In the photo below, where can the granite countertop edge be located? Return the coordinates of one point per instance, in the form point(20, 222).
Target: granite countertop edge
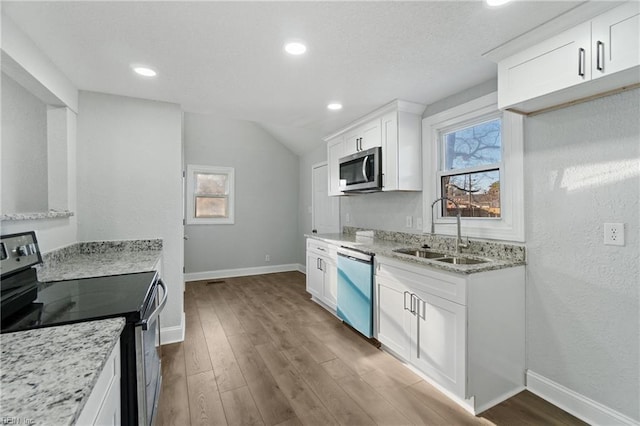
point(384, 248)
point(33, 361)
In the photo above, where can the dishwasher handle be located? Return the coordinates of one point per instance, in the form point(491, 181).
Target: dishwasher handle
point(356, 256)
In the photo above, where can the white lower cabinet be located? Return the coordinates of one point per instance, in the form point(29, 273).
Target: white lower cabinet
point(322, 272)
point(464, 332)
point(438, 344)
point(393, 317)
point(103, 405)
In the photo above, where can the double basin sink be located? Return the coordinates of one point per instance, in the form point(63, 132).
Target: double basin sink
point(439, 257)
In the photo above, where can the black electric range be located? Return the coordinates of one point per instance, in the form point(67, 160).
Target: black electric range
point(28, 304)
point(86, 299)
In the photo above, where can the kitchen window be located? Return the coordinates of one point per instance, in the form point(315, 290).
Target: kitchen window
point(473, 155)
point(210, 195)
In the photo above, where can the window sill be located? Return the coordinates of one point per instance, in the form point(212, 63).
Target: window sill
point(52, 214)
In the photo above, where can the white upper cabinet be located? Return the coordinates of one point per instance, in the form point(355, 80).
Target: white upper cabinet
point(572, 65)
point(396, 127)
point(363, 137)
point(616, 40)
point(555, 64)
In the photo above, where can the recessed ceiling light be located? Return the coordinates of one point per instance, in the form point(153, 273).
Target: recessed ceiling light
point(295, 48)
point(334, 106)
point(145, 71)
point(494, 3)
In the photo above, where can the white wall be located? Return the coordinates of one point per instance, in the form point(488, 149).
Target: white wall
point(582, 169)
point(266, 197)
point(24, 150)
point(129, 180)
point(27, 64)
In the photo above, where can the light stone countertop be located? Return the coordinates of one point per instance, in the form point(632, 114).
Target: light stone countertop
point(498, 255)
point(49, 373)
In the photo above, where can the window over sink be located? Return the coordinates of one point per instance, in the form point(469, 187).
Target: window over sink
point(210, 195)
point(473, 155)
point(470, 166)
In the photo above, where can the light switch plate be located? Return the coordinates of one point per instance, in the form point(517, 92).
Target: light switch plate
point(614, 234)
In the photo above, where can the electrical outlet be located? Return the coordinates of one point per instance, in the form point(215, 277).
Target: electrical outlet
point(409, 222)
point(267, 258)
point(419, 223)
point(614, 234)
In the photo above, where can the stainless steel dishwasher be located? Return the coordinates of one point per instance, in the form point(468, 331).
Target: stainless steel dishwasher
point(355, 290)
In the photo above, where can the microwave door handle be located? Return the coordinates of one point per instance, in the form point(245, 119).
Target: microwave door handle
point(145, 322)
point(364, 168)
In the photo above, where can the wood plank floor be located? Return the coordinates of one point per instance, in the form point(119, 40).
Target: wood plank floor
point(258, 351)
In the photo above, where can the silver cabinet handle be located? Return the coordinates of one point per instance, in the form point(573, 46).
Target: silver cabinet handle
point(413, 299)
point(600, 56)
point(405, 300)
point(145, 322)
point(581, 62)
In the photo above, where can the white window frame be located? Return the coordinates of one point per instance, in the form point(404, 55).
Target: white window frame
point(192, 170)
point(510, 226)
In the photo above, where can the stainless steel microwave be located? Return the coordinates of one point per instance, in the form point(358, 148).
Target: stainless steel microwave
point(362, 171)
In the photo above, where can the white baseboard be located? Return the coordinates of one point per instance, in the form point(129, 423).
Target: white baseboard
point(173, 334)
point(241, 272)
point(572, 402)
point(302, 268)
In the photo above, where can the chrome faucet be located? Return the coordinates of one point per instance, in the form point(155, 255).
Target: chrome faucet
point(459, 243)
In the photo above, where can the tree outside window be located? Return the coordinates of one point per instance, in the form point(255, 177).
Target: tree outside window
point(470, 172)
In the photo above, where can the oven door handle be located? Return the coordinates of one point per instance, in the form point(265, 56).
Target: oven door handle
point(145, 322)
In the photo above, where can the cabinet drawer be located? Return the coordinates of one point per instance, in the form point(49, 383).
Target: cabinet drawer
point(421, 278)
point(317, 245)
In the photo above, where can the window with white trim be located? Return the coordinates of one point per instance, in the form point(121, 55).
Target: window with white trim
point(210, 195)
point(473, 155)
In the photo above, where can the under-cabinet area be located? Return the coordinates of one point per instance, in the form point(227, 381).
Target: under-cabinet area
point(461, 325)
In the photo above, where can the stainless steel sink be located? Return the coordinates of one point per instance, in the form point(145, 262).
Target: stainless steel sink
point(418, 252)
point(461, 260)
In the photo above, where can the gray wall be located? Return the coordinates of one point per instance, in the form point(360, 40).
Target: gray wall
point(581, 170)
point(266, 191)
point(315, 156)
point(24, 150)
point(129, 181)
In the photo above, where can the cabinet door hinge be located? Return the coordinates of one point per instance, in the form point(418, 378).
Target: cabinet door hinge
point(184, 174)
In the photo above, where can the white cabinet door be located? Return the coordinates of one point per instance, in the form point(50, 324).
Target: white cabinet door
point(315, 275)
point(438, 347)
point(616, 40)
point(352, 142)
point(330, 282)
point(363, 137)
point(560, 62)
point(370, 134)
point(335, 151)
point(393, 316)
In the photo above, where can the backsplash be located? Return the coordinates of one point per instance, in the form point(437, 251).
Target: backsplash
point(93, 247)
point(496, 250)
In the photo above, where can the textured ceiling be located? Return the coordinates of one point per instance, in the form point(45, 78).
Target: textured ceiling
point(226, 58)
